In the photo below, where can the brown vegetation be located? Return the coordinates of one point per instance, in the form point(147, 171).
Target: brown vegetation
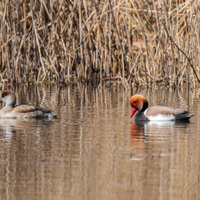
point(137, 42)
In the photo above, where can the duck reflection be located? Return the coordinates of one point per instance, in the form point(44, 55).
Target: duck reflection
point(141, 131)
point(10, 126)
point(137, 137)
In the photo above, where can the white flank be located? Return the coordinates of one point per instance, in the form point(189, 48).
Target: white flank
point(160, 117)
point(161, 123)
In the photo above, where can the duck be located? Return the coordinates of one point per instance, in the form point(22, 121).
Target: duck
point(155, 113)
point(11, 110)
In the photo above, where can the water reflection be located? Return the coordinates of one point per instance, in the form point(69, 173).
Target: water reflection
point(94, 151)
point(153, 131)
point(11, 126)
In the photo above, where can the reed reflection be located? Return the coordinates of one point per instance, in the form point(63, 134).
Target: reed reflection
point(93, 152)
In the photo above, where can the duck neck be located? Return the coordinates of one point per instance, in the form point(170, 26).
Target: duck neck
point(145, 106)
point(11, 102)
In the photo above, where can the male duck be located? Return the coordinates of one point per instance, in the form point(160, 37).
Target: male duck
point(155, 113)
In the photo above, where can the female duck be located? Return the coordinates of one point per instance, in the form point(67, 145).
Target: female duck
point(10, 110)
point(155, 113)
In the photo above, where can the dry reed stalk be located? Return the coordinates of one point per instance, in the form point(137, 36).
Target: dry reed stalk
point(39, 50)
point(81, 69)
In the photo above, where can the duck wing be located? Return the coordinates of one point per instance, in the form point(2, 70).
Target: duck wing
point(178, 113)
point(25, 108)
point(181, 114)
point(155, 110)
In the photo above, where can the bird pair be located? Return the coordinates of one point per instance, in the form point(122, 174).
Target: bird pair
point(138, 102)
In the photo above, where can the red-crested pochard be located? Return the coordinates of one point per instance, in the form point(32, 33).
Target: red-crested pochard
point(10, 110)
point(155, 113)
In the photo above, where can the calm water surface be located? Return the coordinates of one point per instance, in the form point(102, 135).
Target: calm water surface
point(95, 151)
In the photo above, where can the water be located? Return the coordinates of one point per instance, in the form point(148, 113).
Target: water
point(95, 151)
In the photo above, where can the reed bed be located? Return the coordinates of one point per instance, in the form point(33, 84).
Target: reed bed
point(135, 42)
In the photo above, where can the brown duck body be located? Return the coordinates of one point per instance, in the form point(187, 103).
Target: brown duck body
point(10, 110)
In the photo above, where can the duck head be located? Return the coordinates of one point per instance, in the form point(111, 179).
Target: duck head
point(138, 102)
point(8, 97)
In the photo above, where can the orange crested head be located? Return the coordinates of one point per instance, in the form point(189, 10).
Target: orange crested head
point(137, 102)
